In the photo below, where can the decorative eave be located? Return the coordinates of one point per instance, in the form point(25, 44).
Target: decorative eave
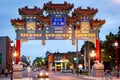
point(30, 11)
point(43, 19)
point(72, 19)
point(97, 23)
point(19, 22)
point(88, 11)
point(65, 6)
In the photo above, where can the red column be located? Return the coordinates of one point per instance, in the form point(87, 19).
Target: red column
point(97, 50)
point(17, 51)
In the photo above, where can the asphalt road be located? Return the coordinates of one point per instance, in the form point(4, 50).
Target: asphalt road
point(56, 76)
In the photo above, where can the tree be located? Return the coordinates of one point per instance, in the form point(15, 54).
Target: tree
point(24, 60)
point(107, 50)
point(88, 46)
point(118, 39)
point(38, 62)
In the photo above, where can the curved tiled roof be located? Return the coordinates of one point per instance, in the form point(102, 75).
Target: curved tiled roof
point(30, 11)
point(88, 11)
point(17, 22)
point(65, 6)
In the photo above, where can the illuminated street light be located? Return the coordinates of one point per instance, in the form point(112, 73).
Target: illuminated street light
point(12, 50)
point(12, 45)
point(14, 57)
point(80, 66)
point(75, 59)
point(15, 54)
point(92, 54)
point(116, 50)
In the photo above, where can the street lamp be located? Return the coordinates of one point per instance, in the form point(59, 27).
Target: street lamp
point(12, 45)
point(116, 51)
point(14, 57)
point(92, 54)
point(75, 62)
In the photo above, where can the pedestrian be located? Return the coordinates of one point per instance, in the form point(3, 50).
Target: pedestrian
point(80, 72)
point(2, 71)
point(6, 72)
point(108, 74)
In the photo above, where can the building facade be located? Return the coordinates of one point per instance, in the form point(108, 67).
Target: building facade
point(59, 61)
point(5, 54)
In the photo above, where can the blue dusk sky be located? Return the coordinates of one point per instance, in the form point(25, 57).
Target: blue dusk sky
point(108, 10)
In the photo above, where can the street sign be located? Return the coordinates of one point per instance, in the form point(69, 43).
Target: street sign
point(58, 22)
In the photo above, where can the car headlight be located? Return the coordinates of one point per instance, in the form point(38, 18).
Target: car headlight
point(41, 73)
point(46, 73)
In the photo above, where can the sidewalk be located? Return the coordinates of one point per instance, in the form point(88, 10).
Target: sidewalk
point(9, 78)
point(16, 79)
point(85, 77)
point(97, 78)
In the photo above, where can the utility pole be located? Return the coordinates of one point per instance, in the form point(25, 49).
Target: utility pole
point(85, 56)
point(88, 48)
point(77, 60)
point(77, 52)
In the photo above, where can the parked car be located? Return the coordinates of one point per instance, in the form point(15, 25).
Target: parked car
point(43, 74)
point(66, 70)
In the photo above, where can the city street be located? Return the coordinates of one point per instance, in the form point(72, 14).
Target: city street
point(52, 76)
point(56, 76)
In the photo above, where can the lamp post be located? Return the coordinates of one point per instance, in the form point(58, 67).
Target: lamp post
point(74, 64)
point(12, 45)
point(14, 57)
point(116, 51)
point(77, 53)
point(77, 60)
point(92, 54)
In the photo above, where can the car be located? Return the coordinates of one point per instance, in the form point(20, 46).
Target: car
point(34, 70)
point(43, 74)
point(66, 70)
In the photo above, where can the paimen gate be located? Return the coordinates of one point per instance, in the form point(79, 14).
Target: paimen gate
point(57, 24)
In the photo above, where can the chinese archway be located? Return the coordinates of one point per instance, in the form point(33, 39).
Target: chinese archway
point(57, 24)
